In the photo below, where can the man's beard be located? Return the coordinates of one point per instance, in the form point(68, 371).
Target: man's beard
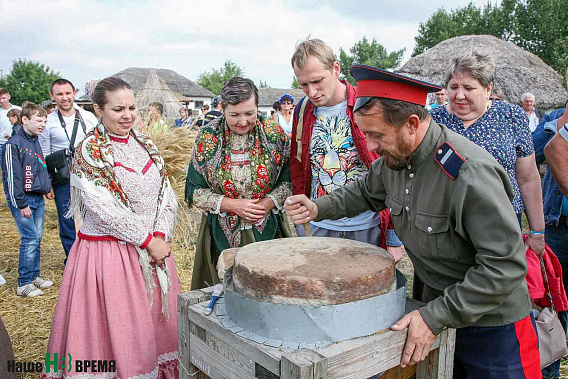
point(400, 160)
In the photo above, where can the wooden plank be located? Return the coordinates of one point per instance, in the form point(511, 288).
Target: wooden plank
point(428, 368)
point(367, 356)
point(398, 372)
point(232, 355)
point(303, 364)
point(267, 357)
point(446, 356)
point(215, 365)
point(183, 335)
point(440, 362)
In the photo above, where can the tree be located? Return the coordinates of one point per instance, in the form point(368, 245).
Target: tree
point(372, 54)
point(540, 27)
point(215, 79)
point(28, 81)
point(295, 84)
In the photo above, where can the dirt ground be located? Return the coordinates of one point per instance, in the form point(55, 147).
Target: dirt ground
point(29, 320)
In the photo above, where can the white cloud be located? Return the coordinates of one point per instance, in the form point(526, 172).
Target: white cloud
point(87, 39)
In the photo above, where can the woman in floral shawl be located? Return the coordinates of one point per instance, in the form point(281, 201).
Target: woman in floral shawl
point(118, 297)
point(240, 177)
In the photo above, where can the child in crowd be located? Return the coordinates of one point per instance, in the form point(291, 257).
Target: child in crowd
point(14, 117)
point(26, 180)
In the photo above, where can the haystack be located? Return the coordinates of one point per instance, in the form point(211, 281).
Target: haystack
point(518, 71)
point(156, 90)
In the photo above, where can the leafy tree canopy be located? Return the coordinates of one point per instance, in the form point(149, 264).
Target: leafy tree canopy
point(538, 26)
point(372, 54)
point(215, 79)
point(28, 81)
point(295, 84)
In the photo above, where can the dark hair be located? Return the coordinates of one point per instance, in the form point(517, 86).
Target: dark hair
point(15, 113)
point(158, 106)
point(60, 82)
point(236, 90)
point(30, 109)
point(105, 86)
point(395, 112)
point(4, 91)
point(276, 106)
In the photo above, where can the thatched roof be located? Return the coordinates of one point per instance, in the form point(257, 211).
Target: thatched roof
point(137, 77)
point(518, 71)
point(268, 96)
point(156, 90)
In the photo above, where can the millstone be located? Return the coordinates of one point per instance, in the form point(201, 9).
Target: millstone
point(313, 271)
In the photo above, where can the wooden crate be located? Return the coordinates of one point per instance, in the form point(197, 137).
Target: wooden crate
point(207, 350)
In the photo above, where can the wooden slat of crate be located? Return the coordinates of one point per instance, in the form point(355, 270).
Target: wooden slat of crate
point(244, 355)
point(356, 358)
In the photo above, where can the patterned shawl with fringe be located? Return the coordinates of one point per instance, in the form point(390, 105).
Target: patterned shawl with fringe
point(93, 173)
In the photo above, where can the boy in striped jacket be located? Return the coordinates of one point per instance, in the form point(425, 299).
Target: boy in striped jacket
point(26, 181)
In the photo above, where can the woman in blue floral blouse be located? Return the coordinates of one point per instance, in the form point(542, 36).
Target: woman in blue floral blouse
point(500, 128)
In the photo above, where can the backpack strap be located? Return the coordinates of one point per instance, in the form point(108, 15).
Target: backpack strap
point(300, 112)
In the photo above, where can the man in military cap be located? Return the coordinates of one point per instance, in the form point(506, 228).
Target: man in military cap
point(450, 202)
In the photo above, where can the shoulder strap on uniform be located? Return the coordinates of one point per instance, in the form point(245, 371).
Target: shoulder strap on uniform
point(300, 112)
point(449, 160)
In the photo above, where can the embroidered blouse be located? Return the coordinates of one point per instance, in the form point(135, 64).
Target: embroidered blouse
point(503, 131)
point(140, 179)
point(209, 201)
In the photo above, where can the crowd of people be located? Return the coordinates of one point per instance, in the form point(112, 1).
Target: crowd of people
point(448, 183)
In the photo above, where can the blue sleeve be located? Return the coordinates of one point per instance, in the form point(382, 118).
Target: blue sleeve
point(520, 126)
point(544, 132)
point(14, 180)
point(392, 238)
point(564, 132)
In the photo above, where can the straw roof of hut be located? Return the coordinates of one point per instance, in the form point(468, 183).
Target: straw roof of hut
point(268, 96)
point(518, 71)
point(155, 90)
point(137, 77)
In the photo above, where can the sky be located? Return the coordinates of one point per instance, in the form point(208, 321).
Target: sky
point(94, 39)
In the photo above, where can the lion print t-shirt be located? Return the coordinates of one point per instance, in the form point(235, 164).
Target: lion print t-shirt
point(336, 162)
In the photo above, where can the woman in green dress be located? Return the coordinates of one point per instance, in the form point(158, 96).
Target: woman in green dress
point(239, 176)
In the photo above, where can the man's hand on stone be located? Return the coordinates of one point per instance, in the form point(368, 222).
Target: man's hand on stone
point(418, 340)
point(301, 209)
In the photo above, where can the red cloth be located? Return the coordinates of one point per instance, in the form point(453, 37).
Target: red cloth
point(535, 281)
point(301, 172)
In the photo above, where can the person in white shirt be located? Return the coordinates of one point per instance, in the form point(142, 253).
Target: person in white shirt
point(57, 136)
point(5, 106)
point(534, 114)
point(5, 125)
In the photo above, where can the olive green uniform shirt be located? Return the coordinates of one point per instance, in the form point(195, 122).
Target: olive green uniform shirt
point(462, 234)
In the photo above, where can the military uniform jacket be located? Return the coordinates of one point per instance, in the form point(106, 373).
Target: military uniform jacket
point(451, 207)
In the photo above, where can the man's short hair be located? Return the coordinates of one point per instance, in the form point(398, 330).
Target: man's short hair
point(205, 106)
point(525, 95)
point(4, 91)
point(216, 101)
point(313, 48)
point(30, 109)
point(60, 82)
point(158, 106)
point(395, 112)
